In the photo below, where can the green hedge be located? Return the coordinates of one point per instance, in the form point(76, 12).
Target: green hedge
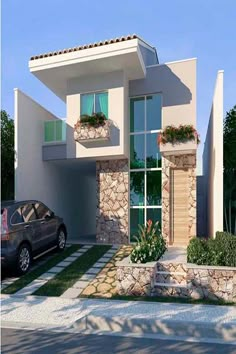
point(220, 251)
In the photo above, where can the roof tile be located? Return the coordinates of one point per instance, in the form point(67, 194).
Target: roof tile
point(86, 46)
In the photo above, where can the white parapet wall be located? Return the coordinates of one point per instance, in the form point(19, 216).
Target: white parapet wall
point(33, 177)
point(213, 162)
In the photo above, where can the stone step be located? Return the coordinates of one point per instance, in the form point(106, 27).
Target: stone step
point(171, 267)
point(170, 285)
point(166, 277)
point(171, 273)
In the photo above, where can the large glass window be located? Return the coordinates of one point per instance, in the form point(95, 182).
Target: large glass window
point(137, 113)
point(153, 155)
point(145, 161)
point(137, 155)
point(137, 188)
point(153, 112)
point(94, 103)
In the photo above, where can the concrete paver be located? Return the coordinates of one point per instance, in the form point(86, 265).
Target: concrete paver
point(46, 276)
point(55, 269)
point(81, 284)
point(99, 265)
point(87, 276)
point(32, 287)
point(93, 271)
point(71, 293)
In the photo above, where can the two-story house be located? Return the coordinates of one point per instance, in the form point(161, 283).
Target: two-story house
point(107, 180)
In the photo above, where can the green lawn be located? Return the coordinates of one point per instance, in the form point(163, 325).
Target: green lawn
point(34, 274)
point(171, 300)
point(65, 279)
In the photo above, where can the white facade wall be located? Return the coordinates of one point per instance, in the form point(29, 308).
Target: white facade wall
point(62, 189)
point(116, 85)
point(213, 162)
point(176, 82)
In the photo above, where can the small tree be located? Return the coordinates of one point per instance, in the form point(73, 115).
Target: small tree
point(230, 171)
point(7, 156)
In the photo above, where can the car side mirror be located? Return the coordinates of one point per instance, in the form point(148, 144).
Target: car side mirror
point(50, 216)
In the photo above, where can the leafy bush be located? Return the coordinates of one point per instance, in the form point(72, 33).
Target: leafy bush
point(226, 244)
point(197, 251)
point(95, 120)
point(220, 251)
point(150, 244)
point(179, 134)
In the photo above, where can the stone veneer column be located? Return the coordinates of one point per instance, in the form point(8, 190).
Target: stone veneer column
point(178, 161)
point(112, 179)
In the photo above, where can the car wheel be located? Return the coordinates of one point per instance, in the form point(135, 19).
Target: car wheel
point(61, 239)
point(23, 259)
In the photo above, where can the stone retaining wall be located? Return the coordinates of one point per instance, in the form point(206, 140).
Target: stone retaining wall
point(135, 279)
point(212, 282)
point(176, 280)
point(112, 179)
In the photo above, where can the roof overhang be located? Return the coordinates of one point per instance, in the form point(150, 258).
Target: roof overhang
point(55, 71)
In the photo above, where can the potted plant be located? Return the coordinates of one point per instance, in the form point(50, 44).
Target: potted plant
point(182, 139)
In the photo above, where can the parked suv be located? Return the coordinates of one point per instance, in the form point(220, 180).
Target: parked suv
point(28, 228)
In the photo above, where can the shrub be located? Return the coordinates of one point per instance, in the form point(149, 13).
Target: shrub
point(150, 244)
point(95, 120)
point(220, 251)
point(197, 251)
point(226, 244)
point(179, 134)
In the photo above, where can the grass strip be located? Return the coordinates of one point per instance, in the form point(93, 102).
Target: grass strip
point(66, 279)
point(171, 300)
point(34, 274)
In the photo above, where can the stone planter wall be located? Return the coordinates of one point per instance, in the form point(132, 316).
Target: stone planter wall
point(86, 133)
point(135, 279)
point(189, 147)
point(176, 280)
point(212, 282)
point(175, 161)
point(112, 179)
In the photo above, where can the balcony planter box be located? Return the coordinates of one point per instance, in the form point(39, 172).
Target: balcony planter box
point(84, 133)
point(181, 148)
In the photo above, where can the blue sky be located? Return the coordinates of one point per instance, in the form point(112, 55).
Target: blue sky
point(179, 29)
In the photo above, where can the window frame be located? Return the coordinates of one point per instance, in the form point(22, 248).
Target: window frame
point(145, 132)
point(94, 93)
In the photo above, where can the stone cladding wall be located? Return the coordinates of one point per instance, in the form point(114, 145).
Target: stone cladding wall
point(112, 179)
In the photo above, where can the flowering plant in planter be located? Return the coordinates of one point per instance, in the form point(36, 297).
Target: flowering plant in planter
point(181, 134)
point(150, 244)
point(95, 120)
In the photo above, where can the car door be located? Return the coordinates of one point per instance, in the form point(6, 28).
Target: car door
point(48, 224)
point(31, 222)
point(19, 229)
